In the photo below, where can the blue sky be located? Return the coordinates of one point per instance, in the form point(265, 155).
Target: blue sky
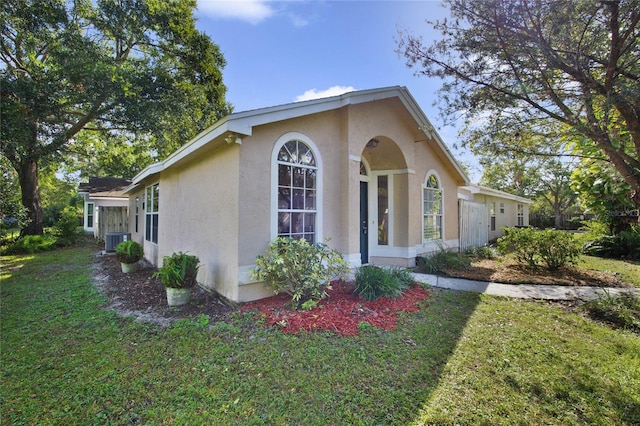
point(284, 51)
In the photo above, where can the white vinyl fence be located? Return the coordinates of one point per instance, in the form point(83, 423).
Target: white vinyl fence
point(473, 224)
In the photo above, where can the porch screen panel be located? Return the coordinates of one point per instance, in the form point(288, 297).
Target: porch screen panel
point(297, 186)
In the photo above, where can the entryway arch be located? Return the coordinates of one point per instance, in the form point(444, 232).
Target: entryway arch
point(383, 198)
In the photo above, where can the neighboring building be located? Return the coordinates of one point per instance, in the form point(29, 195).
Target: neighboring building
point(365, 170)
point(105, 205)
point(502, 209)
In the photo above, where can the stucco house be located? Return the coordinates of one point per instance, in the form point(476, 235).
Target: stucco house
point(105, 205)
point(502, 209)
point(365, 170)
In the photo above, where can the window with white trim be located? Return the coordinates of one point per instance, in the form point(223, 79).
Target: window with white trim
point(432, 209)
point(152, 194)
point(90, 213)
point(297, 191)
point(492, 211)
point(520, 215)
point(137, 208)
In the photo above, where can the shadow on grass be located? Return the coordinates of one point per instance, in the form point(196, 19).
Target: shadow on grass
point(67, 360)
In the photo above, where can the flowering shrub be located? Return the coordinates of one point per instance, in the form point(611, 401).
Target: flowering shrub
point(299, 268)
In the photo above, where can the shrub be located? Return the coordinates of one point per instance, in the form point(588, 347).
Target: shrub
point(374, 282)
point(129, 251)
point(484, 252)
point(625, 244)
point(521, 243)
point(622, 311)
point(32, 244)
point(66, 228)
point(178, 270)
point(550, 248)
point(442, 260)
point(299, 268)
point(557, 248)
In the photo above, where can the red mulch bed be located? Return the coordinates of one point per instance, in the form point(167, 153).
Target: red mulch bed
point(341, 312)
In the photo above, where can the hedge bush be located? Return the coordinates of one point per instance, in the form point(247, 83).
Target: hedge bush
point(531, 247)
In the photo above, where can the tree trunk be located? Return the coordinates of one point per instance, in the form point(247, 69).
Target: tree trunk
point(28, 174)
point(558, 218)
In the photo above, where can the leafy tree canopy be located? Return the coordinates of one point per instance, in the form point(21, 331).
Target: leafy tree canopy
point(138, 68)
point(542, 66)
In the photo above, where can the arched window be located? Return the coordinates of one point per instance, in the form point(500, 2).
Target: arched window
point(297, 191)
point(432, 209)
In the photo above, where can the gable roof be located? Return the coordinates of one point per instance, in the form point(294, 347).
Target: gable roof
point(104, 186)
point(474, 188)
point(234, 126)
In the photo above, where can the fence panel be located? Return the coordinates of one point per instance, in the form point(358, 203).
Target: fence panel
point(473, 224)
point(111, 219)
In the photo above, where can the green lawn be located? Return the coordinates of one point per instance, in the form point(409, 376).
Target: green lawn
point(628, 270)
point(463, 359)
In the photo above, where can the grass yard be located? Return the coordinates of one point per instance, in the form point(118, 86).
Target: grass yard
point(627, 270)
point(462, 359)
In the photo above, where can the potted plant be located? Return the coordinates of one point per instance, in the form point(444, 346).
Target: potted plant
point(129, 253)
point(178, 275)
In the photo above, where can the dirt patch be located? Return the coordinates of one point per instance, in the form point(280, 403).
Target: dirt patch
point(143, 297)
point(508, 272)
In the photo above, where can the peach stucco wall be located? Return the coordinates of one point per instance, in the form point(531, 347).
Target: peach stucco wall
point(218, 206)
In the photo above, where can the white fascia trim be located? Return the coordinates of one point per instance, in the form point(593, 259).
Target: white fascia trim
point(429, 130)
point(485, 190)
point(356, 158)
point(109, 198)
point(151, 170)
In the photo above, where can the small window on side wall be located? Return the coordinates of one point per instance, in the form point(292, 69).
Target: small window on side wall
point(432, 209)
point(152, 198)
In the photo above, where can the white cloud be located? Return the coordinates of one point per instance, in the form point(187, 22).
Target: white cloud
point(317, 94)
point(252, 11)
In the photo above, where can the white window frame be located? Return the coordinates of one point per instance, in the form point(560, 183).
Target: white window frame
point(442, 212)
point(373, 208)
point(492, 216)
point(282, 140)
point(520, 214)
point(149, 214)
point(86, 215)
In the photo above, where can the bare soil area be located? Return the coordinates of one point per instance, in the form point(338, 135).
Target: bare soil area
point(140, 295)
point(509, 272)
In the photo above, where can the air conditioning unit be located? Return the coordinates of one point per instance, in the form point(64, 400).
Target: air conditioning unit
point(112, 239)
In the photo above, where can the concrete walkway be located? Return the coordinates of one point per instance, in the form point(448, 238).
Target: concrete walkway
point(521, 291)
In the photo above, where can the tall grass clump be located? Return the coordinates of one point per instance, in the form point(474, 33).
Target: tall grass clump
point(442, 260)
point(374, 282)
point(622, 311)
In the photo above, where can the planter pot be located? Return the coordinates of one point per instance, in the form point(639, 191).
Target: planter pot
point(178, 296)
point(129, 267)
